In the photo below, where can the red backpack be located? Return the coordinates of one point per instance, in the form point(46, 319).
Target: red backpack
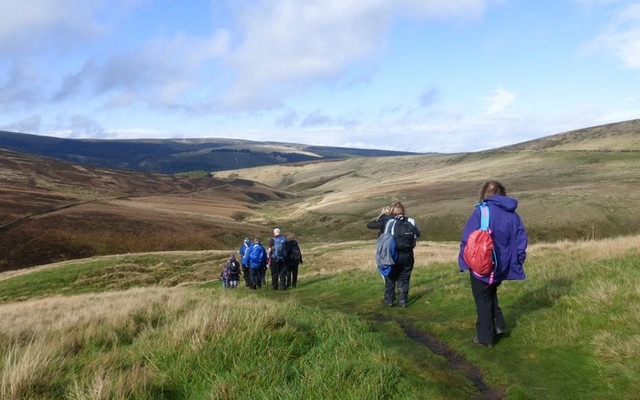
point(478, 253)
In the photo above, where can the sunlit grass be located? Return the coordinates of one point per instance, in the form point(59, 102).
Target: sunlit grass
point(82, 330)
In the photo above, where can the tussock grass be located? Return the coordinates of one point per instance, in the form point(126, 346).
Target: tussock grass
point(188, 343)
point(571, 328)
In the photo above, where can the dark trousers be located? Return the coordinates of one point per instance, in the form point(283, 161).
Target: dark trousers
point(400, 277)
point(278, 274)
point(247, 275)
point(292, 274)
point(256, 277)
point(488, 311)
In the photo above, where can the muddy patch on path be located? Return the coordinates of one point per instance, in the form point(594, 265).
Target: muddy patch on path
point(455, 360)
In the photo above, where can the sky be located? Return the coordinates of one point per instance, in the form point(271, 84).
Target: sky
point(410, 75)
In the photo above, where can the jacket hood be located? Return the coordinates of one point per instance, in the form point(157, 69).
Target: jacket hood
point(505, 202)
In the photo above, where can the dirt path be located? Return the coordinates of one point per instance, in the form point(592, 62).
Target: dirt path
point(455, 360)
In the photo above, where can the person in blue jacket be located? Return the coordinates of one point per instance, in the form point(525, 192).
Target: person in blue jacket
point(246, 244)
point(510, 246)
point(256, 258)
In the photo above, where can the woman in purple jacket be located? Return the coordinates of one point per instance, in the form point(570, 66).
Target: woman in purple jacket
point(510, 245)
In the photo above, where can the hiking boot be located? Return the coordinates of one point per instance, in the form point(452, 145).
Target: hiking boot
point(477, 341)
point(499, 332)
point(403, 303)
point(387, 303)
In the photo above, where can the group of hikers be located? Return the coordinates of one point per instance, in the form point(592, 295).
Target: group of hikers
point(282, 257)
point(505, 248)
point(495, 214)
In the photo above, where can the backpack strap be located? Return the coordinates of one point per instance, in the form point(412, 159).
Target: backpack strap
point(389, 226)
point(484, 226)
point(484, 216)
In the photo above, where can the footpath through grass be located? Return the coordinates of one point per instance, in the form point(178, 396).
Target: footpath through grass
point(77, 332)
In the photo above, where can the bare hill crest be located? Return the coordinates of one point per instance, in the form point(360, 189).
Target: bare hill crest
point(621, 136)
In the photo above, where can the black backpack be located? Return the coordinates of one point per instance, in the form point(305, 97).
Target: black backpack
point(404, 233)
point(294, 253)
point(234, 267)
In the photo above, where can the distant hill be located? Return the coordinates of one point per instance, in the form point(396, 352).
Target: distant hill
point(621, 136)
point(51, 210)
point(582, 184)
point(177, 155)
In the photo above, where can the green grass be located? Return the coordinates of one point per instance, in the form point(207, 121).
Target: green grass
point(571, 331)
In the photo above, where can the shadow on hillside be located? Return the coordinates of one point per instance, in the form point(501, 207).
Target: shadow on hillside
point(312, 280)
point(537, 299)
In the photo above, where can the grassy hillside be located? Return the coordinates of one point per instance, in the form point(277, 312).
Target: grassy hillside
point(143, 323)
point(570, 194)
point(160, 326)
point(53, 211)
point(618, 137)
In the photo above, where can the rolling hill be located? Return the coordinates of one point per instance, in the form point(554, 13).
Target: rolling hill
point(577, 185)
point(171, 156)
point(53, 210)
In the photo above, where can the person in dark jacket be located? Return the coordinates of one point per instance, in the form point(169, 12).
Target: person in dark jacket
point(510, 245)
point(400, 274)
point(278, 260)
point(234, 272)
point(380, 222)
point(294, 259)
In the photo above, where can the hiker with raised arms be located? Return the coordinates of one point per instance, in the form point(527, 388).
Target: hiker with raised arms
point(380, 222)
point(405, 233)
point(509, 241)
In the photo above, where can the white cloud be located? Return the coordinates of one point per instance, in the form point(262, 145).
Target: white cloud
point(501, 99)
point(161, 73)
point(287, 43)
point(621, 37)
point(282, 47)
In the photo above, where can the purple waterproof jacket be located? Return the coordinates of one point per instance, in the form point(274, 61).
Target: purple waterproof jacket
point(508, 234)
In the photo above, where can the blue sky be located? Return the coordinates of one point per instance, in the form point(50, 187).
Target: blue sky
point(417, 75)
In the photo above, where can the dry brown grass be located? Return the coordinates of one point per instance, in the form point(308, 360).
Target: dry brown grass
point(104, 342)
point(562, 194)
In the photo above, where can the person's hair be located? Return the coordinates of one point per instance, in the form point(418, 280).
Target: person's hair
point(396, 208)
point(256, 240)
point(492, 188)
point(291, 236)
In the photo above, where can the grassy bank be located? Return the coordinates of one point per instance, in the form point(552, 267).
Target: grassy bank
point(159, 326)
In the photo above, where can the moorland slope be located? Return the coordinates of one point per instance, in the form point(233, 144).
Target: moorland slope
point(578, 185)
point(53, 211)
